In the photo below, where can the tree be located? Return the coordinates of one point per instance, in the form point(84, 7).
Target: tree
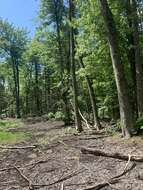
point(52, 14)
point(72, 59)
point(134, 26)
point(112, 35)
point(12, 45)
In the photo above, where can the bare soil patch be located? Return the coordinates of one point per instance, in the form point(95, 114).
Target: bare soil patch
point(56, 163)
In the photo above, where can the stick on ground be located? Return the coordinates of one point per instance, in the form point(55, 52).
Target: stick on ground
point(114, 179)
point(115, 155)
point(18, 147)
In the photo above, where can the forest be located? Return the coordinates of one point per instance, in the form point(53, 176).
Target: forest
point(75, 86)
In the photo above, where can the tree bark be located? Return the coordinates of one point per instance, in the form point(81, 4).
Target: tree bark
point(64, 97)
point(131, 58)
point(15, 68)
point(38, 110)
point(123, 97)
point(92, 98)
point(138, 58)
point(73, 69)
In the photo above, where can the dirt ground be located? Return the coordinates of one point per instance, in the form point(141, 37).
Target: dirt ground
point(56, 162)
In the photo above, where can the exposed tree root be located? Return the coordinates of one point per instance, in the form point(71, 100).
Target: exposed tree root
point(72, 174)
point(114, 179)
point(30, 185)
point(26, 165)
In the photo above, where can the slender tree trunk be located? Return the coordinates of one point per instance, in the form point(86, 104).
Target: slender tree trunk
point(73, 69)
point(18, 91)
point(47, 91)
point(138, 58)
point(26, 100)
point(38, 110)
point(131, 57)
point(16, 84)
point(92, 98)
point(125, 108)
point(61, 57)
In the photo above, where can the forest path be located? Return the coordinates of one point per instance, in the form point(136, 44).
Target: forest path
point(56, 162)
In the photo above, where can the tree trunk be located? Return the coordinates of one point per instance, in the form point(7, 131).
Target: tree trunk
point(73, 69)
point(38, 110)
point(61, 57)
point(18, 91)
point(138, 58)
point(123, 97)
point(131, 58)
point(92, 98)
point(16, 84)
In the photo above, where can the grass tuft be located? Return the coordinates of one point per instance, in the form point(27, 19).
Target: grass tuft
point(8, 137)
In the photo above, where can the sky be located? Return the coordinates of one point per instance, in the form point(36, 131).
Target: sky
point(22, 13)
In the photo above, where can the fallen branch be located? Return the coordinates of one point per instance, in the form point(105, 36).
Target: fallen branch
point(101, 185)
point(114, 179)
point(92, 138)
point(26, 165)
point(18, 147)
point(62, 186)
point(86, 122)
point(72, 174)
point(31, 187)
point(115, 155)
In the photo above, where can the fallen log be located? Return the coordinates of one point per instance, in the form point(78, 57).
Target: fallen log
point(115, 155)
point(18, 147)
point(92, 138)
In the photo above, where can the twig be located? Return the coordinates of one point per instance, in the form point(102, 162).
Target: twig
point(127, 162)
point(86, 122)
point(62, 186)
point(31, 187)
point(34, 163)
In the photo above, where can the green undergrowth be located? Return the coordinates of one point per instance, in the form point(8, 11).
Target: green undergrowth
point(10, 123)
point(114, 129)
point(12, 137)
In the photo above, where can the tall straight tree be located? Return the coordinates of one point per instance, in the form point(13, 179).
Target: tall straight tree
point(131, 54)
point(138, 58)
point(73, 67)
point(53, 12)
point(12, 46)
point(112, 35)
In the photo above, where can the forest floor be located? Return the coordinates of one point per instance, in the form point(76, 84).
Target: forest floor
point(51, 159)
